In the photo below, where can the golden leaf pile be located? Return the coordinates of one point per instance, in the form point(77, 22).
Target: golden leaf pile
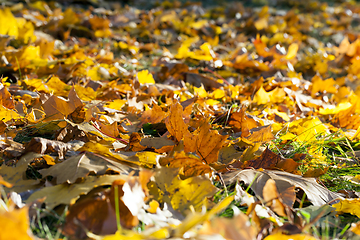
point(157, 123)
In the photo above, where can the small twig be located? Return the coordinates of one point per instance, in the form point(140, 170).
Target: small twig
point(222, 182)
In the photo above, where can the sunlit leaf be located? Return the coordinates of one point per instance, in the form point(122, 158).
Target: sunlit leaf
point(145, 77)
point(15, 224)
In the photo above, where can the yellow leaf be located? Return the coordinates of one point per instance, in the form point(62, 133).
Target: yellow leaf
point(181, 194)
point(261, 96)
point(200, 91)
point(280, 236)
point(195, 219)
point(7, 114)
point(217, 94)
point(153, 206)
point(124, 235)
point(26, 30)
point(335, 110)
point(8, 23)
point(199, 24)
point(37, 84)
point(147, 159)
point(15, 224)
point(145, 77)
point(277, 95)
point(191, 191)
point(105, 151)
point(58, 87)
point(355, 228)
point(260, 24)
point(211, 102)
point(116, 104)
point(292, 51)
point(351, 206)
point(85, 93)
point(307, 129)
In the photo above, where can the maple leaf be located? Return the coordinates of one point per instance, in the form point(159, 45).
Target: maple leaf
point(183, 87)
point(189, 165)
point(58, 108)
point(205, 142)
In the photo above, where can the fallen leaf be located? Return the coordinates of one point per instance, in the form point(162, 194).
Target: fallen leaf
point(280, 236)
point(242, 122)
point(145, 77)
point(15, 219)
point(272, 198)
point(81, 165)
point(237, 227)
point(351, 206)
point(68, 193)
point(317, 194)
point(175, 123)
point(181, 194)
point(42, 146)
point(58, 108)
point(190, 165)
point(205, 142)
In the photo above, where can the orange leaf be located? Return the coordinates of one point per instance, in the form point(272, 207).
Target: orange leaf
point(189, 165)
point(241, 122)
point(153, 115)
point(15, 224)
point(175, 123)
point(5, 98)
point(205, 142)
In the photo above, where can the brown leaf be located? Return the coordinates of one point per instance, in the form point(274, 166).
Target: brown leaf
point(58, 108)
point(42, 146)
point(198, 80)
point(267, 160)
point(81, 165)
point(272, 198)
point(70, 133)
point(90, 214)
point(134, 143)
point(160, 144)
point(97, 213)
point(241, 122)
